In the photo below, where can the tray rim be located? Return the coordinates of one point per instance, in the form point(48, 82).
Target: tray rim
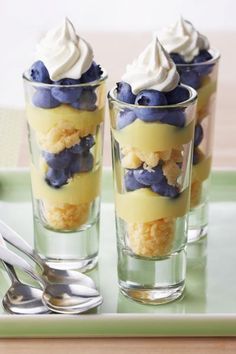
point(195, 324)
point(129, 325)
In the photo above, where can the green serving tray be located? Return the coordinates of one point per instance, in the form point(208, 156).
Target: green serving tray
point(208, 307)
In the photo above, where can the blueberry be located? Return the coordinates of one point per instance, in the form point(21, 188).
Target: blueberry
point(202, 57)
point(177, 58)
point(82, 163)
point(149, 177)
point(150, 98)
point(86, 162)
point(150, 114)
point(85, 144)
point(124, 92)
point(191, 78)
point(56, 178)
point(174, 117)
point(92, 74)
point(66, 94)
point(165, 189)
point(43, 98)
point(58, 161)
point(39, 72)
point(67, 82)
point(87, 100)
point(198, 135)
point(125, 118)
point(179, 94)
point(131, 184)
point(203, 70)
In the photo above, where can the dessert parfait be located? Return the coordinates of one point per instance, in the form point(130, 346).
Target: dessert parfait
point(197, 65)
point(64, 91)
point(152, 125)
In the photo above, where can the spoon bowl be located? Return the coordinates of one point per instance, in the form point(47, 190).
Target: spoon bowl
point(67, 295)
point(84, 306)
point(59, 297)
point(56, 275)
point(23, 299)
point(52, 275)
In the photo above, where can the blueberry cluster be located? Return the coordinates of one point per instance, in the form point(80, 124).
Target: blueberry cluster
point(192, 75)
point(198, 136)
point(146, 98)
point(82, 98)
point(66, 163)
point(155, 179)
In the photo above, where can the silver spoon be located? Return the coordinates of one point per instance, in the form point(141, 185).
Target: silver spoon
point(63, 298)
point(22, 299)
point(70, 300)
point(50, 274)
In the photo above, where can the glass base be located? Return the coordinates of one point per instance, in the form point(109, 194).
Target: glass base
point(198, 222)
point(155, 296)
point(152, 281)
point(76, 250)
point(83, 265)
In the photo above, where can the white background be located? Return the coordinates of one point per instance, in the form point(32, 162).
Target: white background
point(23, 22)
point(119, 15)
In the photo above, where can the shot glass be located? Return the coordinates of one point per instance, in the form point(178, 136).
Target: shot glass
point(66, 142)
point(204, 76)
point(151, 218)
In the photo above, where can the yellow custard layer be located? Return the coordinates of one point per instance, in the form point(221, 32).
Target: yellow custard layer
point(143, 205)
point(43, 120)
point(196, 193)
point(160, 136)
point(204, 92)
point(82, 188)
point(201, 171)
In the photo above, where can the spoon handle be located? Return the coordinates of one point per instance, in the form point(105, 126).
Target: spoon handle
point(16, 261)
point(12, 237)
point(11, 272)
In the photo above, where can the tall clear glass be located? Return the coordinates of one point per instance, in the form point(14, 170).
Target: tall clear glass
point(66, 142)
point(207, 72)
point(151, 219)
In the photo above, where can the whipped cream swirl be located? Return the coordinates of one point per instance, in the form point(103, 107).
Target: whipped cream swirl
point(153, 69)
point(64, 53)
point(184, 39)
